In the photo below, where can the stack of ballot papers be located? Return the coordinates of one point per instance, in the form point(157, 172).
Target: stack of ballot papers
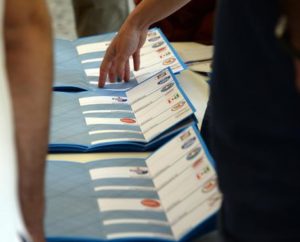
point(138, 115)
point(169, 196)
point(141, 118)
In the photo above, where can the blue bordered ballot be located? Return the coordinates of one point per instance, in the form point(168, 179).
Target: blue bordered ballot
point(86, 55)
point(148, 113)
point(156, 54)
point(168, 196)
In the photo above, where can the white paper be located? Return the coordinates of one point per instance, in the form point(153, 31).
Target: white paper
point(185, 181)
point(106, 111)
point(158, 104)
point(194, 217)
point(107, 131)
point(135, 221)
point(92, 60)
point(105, 141)
point(92, 72)
point(191, 51)
point(139, 235)
point(131, 204)
point(93, 47)
point(119, 172)
point(123, 188)
point(94, 100)
point(111, 121)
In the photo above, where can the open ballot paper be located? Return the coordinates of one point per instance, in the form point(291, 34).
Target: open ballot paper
point(143, 118)
point(169, 196)
point(77, 62)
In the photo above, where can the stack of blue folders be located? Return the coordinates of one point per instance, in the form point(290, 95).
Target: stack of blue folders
point(139, 115)
point(170, 195)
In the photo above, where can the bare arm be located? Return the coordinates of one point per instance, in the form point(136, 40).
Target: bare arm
point(291, 9)
point(131, 37)
point(29, 63)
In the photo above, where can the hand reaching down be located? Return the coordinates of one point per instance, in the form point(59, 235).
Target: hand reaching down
point(127, 43)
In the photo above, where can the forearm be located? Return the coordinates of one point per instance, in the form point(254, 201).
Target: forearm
point(132, 36)
point(151, 11)
point(29, 65)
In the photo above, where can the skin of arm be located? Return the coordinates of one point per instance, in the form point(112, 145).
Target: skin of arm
point(28, 46)
point(291, 10)
point(132, 36)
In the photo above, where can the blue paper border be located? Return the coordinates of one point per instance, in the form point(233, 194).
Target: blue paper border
point(181, 90)
point(84, 239)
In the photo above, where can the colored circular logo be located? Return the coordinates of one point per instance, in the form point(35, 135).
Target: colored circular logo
point(167, 87)
point(128, 120)
point(169, 61)
point(193, 153)
point(154, 39)
point(158, 44)
point(198, 162)
point(164, 80)
point(188, 143)
point(202, 173)
point(151, 34)
point(161, 75)
point(178, 106)
point(150, 203)
point(161, 49)
point(209, 185)
point(185, 136)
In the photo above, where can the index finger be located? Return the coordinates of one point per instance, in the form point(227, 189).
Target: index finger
point(104, 70)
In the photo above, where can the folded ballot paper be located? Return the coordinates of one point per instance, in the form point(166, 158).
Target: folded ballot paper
point(169, 196)
point(141, 118)
point(77, 62)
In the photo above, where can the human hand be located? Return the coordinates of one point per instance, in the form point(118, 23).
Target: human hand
point(127, 43)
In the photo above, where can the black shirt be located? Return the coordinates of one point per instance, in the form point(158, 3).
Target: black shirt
point(255, 116)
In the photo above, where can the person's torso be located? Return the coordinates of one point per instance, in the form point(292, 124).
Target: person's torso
point(255, 121)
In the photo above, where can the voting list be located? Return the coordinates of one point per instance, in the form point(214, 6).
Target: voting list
point(166, 196)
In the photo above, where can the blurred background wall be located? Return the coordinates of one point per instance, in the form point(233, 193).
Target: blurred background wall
point(93, 16)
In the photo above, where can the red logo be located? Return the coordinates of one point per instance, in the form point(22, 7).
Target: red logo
point(128, 120)
point(151, 203)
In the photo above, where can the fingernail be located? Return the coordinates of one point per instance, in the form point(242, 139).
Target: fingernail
point(119, 79)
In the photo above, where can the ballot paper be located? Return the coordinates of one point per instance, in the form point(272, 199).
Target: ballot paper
point(168, 196)
point(77, 62)
point(141, 118)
